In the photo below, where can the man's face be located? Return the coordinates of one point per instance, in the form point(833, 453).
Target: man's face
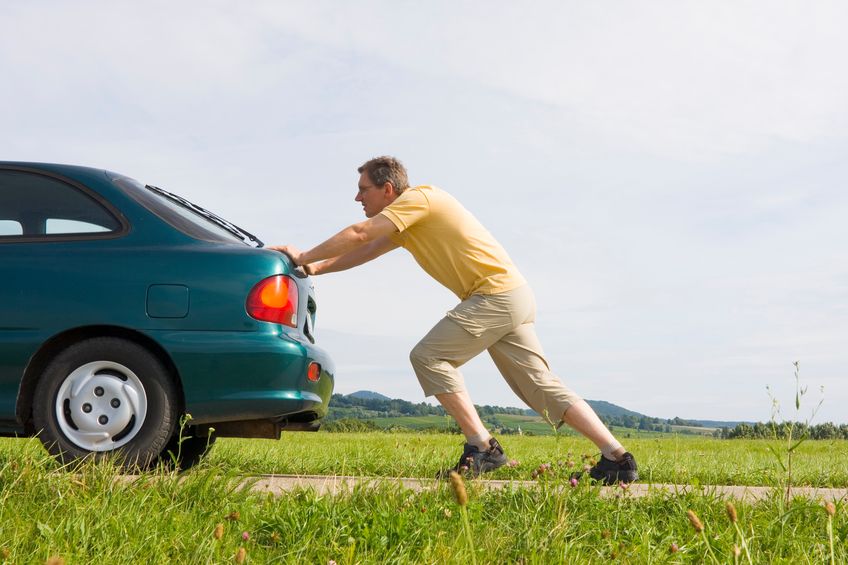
point(373, 198)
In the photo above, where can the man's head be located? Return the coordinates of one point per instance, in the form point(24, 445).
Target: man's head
point(381, 181)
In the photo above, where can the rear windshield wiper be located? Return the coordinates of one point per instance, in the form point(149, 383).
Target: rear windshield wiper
point(230, 227)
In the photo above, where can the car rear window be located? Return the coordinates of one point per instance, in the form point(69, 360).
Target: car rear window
point(177, 215)
point(35, 207)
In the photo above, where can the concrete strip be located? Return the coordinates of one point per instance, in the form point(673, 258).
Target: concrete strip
point(281, 484)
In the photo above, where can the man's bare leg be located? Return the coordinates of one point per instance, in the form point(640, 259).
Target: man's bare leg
point(460, 407)
point(481, 453)
point(582, 418)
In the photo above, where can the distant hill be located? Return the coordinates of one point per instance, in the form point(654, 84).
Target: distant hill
point(368, 394)
point(603, 408)
point(610, 409)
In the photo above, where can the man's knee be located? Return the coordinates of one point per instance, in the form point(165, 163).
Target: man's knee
point(436, 376)
point(418, 356)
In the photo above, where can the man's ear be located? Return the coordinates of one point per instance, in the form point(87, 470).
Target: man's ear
point(390, 189)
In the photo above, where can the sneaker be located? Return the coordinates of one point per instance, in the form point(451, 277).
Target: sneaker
point(473, 461)
point(614, 472)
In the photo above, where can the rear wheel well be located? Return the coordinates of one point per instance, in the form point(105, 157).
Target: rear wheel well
point(59, 342)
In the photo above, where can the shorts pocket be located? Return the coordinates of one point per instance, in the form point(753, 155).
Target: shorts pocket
point(473, 327)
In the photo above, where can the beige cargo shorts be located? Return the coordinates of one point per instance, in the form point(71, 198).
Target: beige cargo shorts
point(501, 324)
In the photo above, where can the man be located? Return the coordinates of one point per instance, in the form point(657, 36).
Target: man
point(496, 311)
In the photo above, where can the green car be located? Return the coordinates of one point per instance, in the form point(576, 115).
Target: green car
point(126, 308)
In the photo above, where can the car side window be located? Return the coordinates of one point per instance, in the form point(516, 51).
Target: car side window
point(10, 227)
point(34, 206)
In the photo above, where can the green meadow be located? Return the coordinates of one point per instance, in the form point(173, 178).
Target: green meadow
point(534, 425)
point(95, 515)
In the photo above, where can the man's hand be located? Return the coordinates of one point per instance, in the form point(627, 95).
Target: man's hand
point(291, 251)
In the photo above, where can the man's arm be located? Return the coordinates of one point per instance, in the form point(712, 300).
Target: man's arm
point(354, 258)
point(347, 240)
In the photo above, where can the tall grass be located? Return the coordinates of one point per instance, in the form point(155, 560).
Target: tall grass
point(687, 459)
point(95, 515)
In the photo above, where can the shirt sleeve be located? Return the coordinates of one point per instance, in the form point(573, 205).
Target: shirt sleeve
point(410, 208)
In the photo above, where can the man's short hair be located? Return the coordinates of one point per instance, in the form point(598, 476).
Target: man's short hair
point(386, 169)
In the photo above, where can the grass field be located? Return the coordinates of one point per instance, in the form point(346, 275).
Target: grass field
point(682, 459)
point(93, 516)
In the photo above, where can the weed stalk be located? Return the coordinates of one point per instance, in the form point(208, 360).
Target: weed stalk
point(553, 426)
point(789, 427)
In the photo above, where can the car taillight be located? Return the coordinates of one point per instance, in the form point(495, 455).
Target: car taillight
point(274, 300)
point(314, 371)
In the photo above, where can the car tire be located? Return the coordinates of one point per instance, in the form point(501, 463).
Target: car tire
point(191, 451)
point(105, 397)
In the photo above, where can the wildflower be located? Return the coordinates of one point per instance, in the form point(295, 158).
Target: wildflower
point(731, 512)
point(423, 509)
point(605, 534)
point(672, 548)
point(275, 537)
point(512, 463)
point(55, 560)
point(573, 482)
point(696, 523)
point(551, 473)
point(245, 536)
point(559, 463)
point(587, 468)
point(736, 551)
point(618, 495)
point(624, 486)
point(592, 462)
point(447, 513)
point(570, 463)
point(534, 474)
point(830, 509)
point(331, 562)
point(614, 555)
point(234, 515)
point(241, 554)
point(458, 488)
point(464, 468)
point(219, 531)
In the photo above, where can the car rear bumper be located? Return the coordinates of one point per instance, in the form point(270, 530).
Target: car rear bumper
point(237, 376)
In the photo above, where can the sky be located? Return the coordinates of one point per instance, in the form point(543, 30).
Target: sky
point(669, 176)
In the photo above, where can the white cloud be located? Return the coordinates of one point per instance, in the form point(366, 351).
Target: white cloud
point(673, 79)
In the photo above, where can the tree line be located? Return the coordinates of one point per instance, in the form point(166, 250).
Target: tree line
point(771, 430)
point(646, 422)
point(398, 407)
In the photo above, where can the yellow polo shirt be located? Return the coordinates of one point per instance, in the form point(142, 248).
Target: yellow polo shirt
point(450, 244)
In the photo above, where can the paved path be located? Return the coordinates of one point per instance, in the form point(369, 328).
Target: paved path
point(280, 484)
